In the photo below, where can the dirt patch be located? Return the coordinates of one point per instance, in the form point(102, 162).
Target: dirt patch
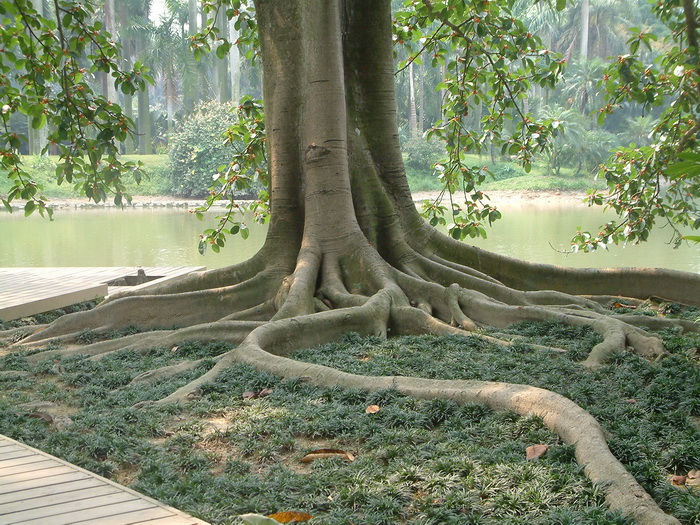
point(519, 197)
point(127, 474)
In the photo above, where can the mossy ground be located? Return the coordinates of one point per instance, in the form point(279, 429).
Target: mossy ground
point(423, 462)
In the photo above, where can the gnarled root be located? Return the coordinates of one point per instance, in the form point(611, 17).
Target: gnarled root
point(328, 293)
point(266, 347)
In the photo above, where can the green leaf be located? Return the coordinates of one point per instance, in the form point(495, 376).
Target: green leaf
point(29, 208)
point(39, 122)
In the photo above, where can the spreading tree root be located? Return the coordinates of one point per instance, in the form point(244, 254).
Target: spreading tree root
point(270, 314)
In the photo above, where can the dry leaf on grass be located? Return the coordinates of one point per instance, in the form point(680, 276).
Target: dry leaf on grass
point(677, 480)
point(535, 451)
point(265, 392)
point(290, 517)
point(372, 409)
point(250, 394)
point(323, 453)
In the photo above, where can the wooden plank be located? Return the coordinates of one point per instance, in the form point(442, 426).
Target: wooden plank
point(53, 480)
point(35, 497)
point(55, 499)
point(22, 460)
point(56, 469)
point(15, 454)
point(10, 447)
point(76, 509)
point(111, 514)
point(38, 492)
point(28, 291)
point(145, 517)
point(26, 467)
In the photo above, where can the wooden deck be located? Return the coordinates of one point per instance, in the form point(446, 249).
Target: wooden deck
point(39, 489)
point(29, 291)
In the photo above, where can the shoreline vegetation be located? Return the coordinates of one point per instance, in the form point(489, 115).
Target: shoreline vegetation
point(498, 198)
point(158, 189)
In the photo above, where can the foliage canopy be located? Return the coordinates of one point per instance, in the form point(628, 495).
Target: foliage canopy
point(492, 61)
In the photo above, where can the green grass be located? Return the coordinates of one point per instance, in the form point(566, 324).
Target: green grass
point(42, 170)
point(423, 462)
point(510, 176)
point(157, 181)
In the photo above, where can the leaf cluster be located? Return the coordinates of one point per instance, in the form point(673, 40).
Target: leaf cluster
point(209, 38)
point(492, 61)
point(660, 182)
point(46, 63)
point(246, 171)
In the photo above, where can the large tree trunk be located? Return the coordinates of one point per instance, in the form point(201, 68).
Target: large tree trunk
point(346, 250)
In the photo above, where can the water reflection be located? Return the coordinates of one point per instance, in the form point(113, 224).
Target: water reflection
point(169, 237)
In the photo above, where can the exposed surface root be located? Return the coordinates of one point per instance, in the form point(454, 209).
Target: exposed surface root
point(270, 314)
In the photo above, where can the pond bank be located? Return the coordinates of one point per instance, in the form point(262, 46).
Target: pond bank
point(498, 198)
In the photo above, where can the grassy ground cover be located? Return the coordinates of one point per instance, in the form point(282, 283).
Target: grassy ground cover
point(42, 170)
point(508, 176)
point(238, 446)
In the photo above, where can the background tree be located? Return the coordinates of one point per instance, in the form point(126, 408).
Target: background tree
point(659, 182)
point(346, 249)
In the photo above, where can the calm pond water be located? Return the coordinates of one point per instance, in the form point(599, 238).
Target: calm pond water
point(169, 237)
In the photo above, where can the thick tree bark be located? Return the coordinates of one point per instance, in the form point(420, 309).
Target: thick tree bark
point(346, 250)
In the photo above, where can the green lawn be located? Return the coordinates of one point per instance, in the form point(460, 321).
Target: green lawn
point(42, 170)
point(158, 180)
point(422, 462)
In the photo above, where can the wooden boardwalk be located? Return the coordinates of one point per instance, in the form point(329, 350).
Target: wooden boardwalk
point(39, 489)
point(29, 291)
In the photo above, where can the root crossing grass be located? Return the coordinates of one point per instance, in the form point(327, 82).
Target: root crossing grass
point(232, 450)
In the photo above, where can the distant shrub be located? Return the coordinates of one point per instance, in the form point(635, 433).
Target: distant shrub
point(198, 149)
point(506, 171)
point(420, 155)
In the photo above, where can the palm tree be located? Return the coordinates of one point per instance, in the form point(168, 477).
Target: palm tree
point(133, 26)
point(639, 130)
point(173, 65)
point(571, 134)
point(581, 81)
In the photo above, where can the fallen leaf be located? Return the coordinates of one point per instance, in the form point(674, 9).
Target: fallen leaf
point(249, 394)
point(620, 305)
point(257, 519)
point(535, 451)
point(631, 401)
point(264, 393)
point(323, 453)
point(364, 359)
point(174, 348)
point(372, 409)
point(290, 517)
point(678, 480)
